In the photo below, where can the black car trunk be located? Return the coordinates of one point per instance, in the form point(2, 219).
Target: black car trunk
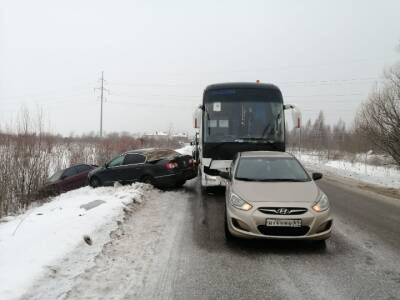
point(184, 161)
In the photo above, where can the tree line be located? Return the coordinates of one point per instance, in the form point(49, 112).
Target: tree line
point(376, 125)
point(29, 155)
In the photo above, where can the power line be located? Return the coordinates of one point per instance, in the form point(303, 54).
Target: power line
point(291, 66)
point(297, 83)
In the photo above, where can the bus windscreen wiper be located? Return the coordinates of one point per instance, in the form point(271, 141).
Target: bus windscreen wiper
point(255, 139)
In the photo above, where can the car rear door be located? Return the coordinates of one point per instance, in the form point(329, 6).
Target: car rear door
point(133, 167)
point(82, 175)
point(69, 180)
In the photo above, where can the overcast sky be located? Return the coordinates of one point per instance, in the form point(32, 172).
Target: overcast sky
point(157, 56)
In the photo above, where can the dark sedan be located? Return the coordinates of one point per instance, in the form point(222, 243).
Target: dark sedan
point(67, 179)
point(163, 168)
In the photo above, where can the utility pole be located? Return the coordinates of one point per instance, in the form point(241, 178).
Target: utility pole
point(101, 105)
point(102, 89)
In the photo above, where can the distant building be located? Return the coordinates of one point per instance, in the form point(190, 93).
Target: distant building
point(164, 135)
point(156, 135)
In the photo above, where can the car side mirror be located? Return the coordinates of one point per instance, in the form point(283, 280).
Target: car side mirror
point(106, 165)
point(63, 177)
point(225, 175)
point(316, 176)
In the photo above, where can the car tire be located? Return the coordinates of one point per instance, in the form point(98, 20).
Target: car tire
point(95, 182)
point(147, 179)
point(180, 183)
point(320, 244)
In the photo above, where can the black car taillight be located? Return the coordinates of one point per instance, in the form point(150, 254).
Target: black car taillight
point(171, 165)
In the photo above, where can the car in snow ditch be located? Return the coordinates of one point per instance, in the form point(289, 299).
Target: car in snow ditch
point(163, 168)
point(270, 195)
point(65, 180)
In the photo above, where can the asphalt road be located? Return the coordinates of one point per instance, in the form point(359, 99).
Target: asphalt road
point(174, 247)
point(361, 261)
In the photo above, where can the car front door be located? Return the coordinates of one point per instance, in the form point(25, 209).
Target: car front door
point(69, 180)
point(133, 166)
point(82, 176)
point(114, 170)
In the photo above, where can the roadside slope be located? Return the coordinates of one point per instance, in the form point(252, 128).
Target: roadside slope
point(36, 243)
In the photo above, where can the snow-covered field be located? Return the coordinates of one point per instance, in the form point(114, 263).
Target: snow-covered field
point(387, 176)
point(32, 244)
point(186, 150)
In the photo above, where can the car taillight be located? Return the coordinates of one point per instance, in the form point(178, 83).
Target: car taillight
point(171, 165)
point(191, 162)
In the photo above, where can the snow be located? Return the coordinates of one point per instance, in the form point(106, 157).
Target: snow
point(34, 241)
point(386, 176)
point(186, 150)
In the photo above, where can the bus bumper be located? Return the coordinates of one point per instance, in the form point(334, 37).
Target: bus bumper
point(208, 180)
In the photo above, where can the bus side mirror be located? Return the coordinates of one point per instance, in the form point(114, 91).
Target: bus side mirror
point(316, 176)
point(225, 175)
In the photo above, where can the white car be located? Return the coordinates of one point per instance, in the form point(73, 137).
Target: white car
point(270, 195)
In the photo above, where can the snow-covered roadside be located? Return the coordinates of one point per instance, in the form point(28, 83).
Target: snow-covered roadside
point(186, 150)
point(386, 176)
point(378, 175)
point(32, 243)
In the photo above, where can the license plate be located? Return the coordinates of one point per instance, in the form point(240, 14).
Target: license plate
point(283, 222)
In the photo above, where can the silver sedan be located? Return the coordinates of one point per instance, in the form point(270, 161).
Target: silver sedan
point(270, 195)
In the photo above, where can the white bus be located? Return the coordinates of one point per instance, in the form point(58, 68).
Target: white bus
point(236, 117)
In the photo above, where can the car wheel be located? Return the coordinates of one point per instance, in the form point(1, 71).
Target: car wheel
point(148, 179)
point(320, 244)
point(95, 182)
point(180, 183)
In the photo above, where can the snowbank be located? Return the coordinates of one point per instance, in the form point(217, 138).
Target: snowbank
point(187, 150)
point(379, 175)
point(32, 242)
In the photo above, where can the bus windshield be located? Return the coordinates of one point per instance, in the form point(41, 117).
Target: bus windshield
point(243, 115)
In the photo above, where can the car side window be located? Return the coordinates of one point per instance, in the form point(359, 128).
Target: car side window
point(116, 161)
point(82, 168)
point(70, 172)
point(131, 159)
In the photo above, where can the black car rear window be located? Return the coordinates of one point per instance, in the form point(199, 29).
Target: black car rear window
point(131, 159)
point(162, 154)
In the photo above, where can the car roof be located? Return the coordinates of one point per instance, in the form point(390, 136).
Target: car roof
point(266, 154)
point(248, 85)
point(148, 151)
point(140, 151)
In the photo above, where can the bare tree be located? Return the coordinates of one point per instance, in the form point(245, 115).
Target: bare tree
point(378, 119)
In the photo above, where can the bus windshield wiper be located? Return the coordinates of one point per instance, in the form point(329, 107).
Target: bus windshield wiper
point(255, 139)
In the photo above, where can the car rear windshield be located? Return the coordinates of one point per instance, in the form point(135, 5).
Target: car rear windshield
point(56, 176)
point(162, 154)
point(271, 169)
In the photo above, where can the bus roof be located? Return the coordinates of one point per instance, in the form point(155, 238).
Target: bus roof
point(244, 85)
